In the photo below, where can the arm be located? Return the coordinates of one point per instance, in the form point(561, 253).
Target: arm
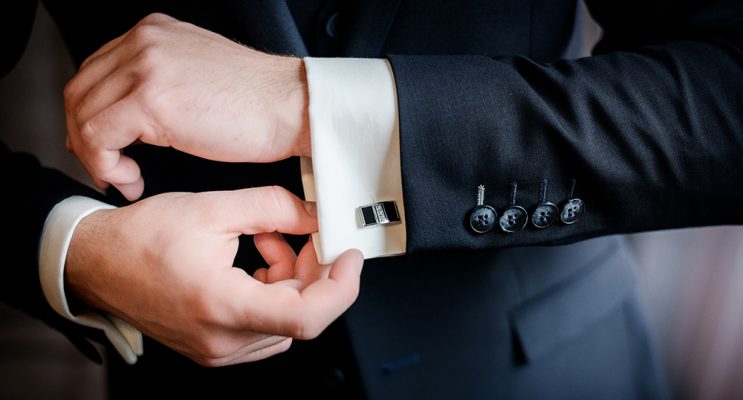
point(204, 332)
point(227, 102)
point(30, 192)
point(646, 132)
point(651, 129)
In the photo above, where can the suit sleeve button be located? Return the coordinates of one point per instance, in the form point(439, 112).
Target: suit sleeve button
point(572, 210)
point(545, 215)
point(514, 219)
point(482, 219)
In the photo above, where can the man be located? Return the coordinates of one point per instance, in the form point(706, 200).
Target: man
point(641, 137)
point(305, 293)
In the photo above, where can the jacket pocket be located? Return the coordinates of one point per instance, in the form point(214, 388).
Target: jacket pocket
point(563, 311)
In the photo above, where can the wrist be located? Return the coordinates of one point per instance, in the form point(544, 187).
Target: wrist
point(295, 114)
point(81, 254)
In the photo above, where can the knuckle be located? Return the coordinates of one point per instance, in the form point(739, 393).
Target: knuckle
point(279, 192)
point(80, 110)
point(99, 166)
point(156, 18)
point(276, 198)
point(145, 31)
point(212, 350)
point(88, 132)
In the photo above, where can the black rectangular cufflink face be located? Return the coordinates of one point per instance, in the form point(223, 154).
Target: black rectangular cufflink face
point(382, 213)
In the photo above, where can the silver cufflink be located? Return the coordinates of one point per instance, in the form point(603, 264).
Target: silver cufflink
point(381, 213)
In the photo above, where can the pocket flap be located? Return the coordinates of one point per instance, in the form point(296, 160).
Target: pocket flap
point(562, 312)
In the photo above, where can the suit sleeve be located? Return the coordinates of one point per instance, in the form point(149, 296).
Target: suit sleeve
point(30, 192)
point(648, 132)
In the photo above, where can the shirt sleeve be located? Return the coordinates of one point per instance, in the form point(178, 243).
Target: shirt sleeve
point(55, 240)
point(355, 155)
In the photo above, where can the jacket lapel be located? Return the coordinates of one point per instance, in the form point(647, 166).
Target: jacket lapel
point(270, 26)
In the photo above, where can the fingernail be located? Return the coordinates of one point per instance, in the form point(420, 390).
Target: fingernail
point(311, 208)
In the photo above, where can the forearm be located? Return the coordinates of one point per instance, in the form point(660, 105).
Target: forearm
point(651, 135)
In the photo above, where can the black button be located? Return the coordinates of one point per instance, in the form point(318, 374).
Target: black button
point(330, 26)
point(482, 219)
point(514, 219)
point(545, 215)
point(572, 210)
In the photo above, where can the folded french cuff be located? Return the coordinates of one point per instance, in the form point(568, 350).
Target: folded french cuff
point(355, 160)
point(55, 240)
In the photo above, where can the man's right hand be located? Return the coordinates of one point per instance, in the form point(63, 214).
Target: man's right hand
point(170, 83)
point(165, 265)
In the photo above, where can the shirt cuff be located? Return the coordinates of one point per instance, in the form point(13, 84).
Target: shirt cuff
point(55, 240)
point(355, 155)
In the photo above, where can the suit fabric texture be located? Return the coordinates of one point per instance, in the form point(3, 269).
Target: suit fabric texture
point(648, 133)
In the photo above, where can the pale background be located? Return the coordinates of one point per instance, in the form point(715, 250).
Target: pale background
point(691, 280)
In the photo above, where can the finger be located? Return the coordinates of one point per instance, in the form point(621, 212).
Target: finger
point(119, 170)
point(107, 59)
point(281, 310)
point(308, 269)
point(92, 71)
point(102, 139)
point(265, 352)
point(73, 147)
point(278, 254)
point(233, 345)
point(255, 343)
point(264, 209)
point(104, 93)
point(131, 191)
point(251, 347)
point(341, 288)
point(261, 274)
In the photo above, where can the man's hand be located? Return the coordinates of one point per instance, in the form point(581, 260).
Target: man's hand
point(170, 83)
point(165, 264)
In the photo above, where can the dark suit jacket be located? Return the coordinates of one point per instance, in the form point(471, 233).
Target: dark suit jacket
point(650, 130)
